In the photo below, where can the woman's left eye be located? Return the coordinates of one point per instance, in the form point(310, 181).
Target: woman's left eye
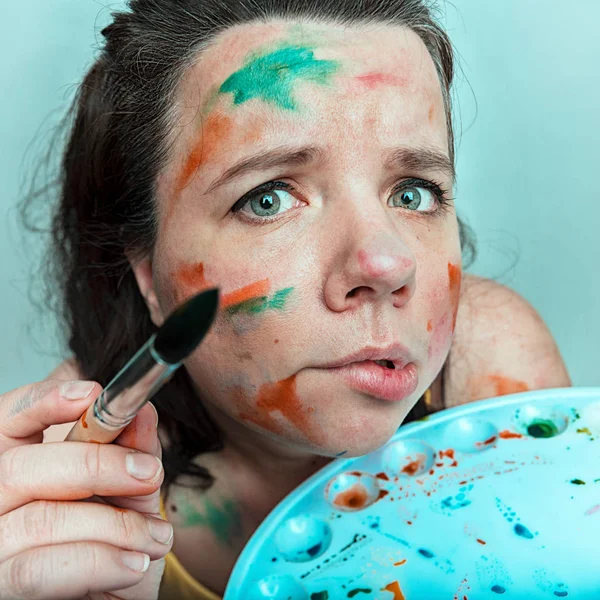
point(266, 203)
point(415, 197)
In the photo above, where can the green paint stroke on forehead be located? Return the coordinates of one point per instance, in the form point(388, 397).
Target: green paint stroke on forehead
point(272, 76)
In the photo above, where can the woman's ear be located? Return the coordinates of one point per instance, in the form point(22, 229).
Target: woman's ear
point(142, 270)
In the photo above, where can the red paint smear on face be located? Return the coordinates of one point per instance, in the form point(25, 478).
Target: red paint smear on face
point(454, 279)
point(254, 290)
point(354, 497)
point(509, 435)
point(504, 385)
point(278, 397)
point(375, 79)
point(429, 325)
point(394, 587)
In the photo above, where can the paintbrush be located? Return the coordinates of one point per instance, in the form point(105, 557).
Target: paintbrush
point(149, 369)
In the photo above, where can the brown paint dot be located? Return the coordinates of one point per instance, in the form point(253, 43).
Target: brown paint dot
point(481, 542)
point(354, 497)
point(383, 476)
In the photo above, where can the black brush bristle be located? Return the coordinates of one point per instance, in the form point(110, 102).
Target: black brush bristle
point(186, 326)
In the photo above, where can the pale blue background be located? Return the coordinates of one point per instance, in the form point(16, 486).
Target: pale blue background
point(528, 156)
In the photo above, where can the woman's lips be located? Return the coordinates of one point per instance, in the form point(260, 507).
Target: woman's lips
point(373, 379)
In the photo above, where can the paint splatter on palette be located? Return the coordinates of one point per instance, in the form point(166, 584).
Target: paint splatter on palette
point(495, 499)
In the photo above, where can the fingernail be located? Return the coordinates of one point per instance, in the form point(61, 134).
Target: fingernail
point(155, 412)
point(161, 531)
point(76, 390)
point(136, 561)
point(143, 466)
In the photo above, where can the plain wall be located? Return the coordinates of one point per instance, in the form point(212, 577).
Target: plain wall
point(527, 131)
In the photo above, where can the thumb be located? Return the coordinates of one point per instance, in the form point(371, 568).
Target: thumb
point(141, 435)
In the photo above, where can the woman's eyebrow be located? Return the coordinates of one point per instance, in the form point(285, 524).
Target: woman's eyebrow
point(280, 157)
point(413, 159)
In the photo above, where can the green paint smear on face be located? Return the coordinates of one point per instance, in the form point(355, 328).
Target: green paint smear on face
point(261, 304)
point(272, 76)
point(224, 521)
point(542, 429)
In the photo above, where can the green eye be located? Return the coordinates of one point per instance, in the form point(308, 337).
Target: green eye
point(414, 198)
point(266, 204)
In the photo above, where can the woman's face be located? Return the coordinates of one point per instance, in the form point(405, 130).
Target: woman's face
point(302, 182)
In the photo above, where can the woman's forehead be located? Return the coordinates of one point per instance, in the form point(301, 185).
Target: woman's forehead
point(279, 83)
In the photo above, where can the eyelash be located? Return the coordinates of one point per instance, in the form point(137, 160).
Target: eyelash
point(440, 194)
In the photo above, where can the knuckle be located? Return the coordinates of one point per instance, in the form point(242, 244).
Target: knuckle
point(40, 520)
point(126, 526)
point(24, 578)
point(91, 461)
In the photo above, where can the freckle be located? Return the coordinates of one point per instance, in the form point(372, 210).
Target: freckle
point(429, 325)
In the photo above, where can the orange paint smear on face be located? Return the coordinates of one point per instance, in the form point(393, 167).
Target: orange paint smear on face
point(280, 397)
point(212, 136)
point(192, 278)
point(429, 325)
point(254, 290)
point(394, 587)
point(454, 279)
point(504, 385)
point(375, 79)
point(354, 497)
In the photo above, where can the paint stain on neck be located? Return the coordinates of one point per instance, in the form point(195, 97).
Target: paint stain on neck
point(271, 77)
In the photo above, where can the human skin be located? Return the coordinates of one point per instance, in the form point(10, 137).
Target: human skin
point(340, 267)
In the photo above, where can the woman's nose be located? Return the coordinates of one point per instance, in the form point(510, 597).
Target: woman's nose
point(376, 268)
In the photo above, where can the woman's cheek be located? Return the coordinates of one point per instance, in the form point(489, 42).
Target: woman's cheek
point(442, 325)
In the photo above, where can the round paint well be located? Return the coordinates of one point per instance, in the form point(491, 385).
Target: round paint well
point(408, 458)
point(302, 538)
point(470, 435)
point(541, 422)
point(352, 491)
point(276, 587)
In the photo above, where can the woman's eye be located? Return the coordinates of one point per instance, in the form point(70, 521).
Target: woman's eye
point(415, 198)
point(268, 204)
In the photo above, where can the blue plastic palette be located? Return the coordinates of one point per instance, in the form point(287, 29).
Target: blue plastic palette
point(494, 499)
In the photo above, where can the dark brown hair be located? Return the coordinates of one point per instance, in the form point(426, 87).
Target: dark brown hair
point(117, 142)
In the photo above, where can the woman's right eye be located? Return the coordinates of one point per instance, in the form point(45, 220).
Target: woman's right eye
point(266, 202)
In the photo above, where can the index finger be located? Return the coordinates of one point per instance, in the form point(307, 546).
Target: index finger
point(26, 411)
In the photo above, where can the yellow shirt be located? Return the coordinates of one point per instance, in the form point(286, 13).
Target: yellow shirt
point(177, 583)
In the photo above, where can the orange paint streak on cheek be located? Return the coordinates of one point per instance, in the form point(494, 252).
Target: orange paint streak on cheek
point(454, 279)
point(254, 290)
point(279, 397)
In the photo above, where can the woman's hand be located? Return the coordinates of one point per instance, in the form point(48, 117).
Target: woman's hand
point(74, 522)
